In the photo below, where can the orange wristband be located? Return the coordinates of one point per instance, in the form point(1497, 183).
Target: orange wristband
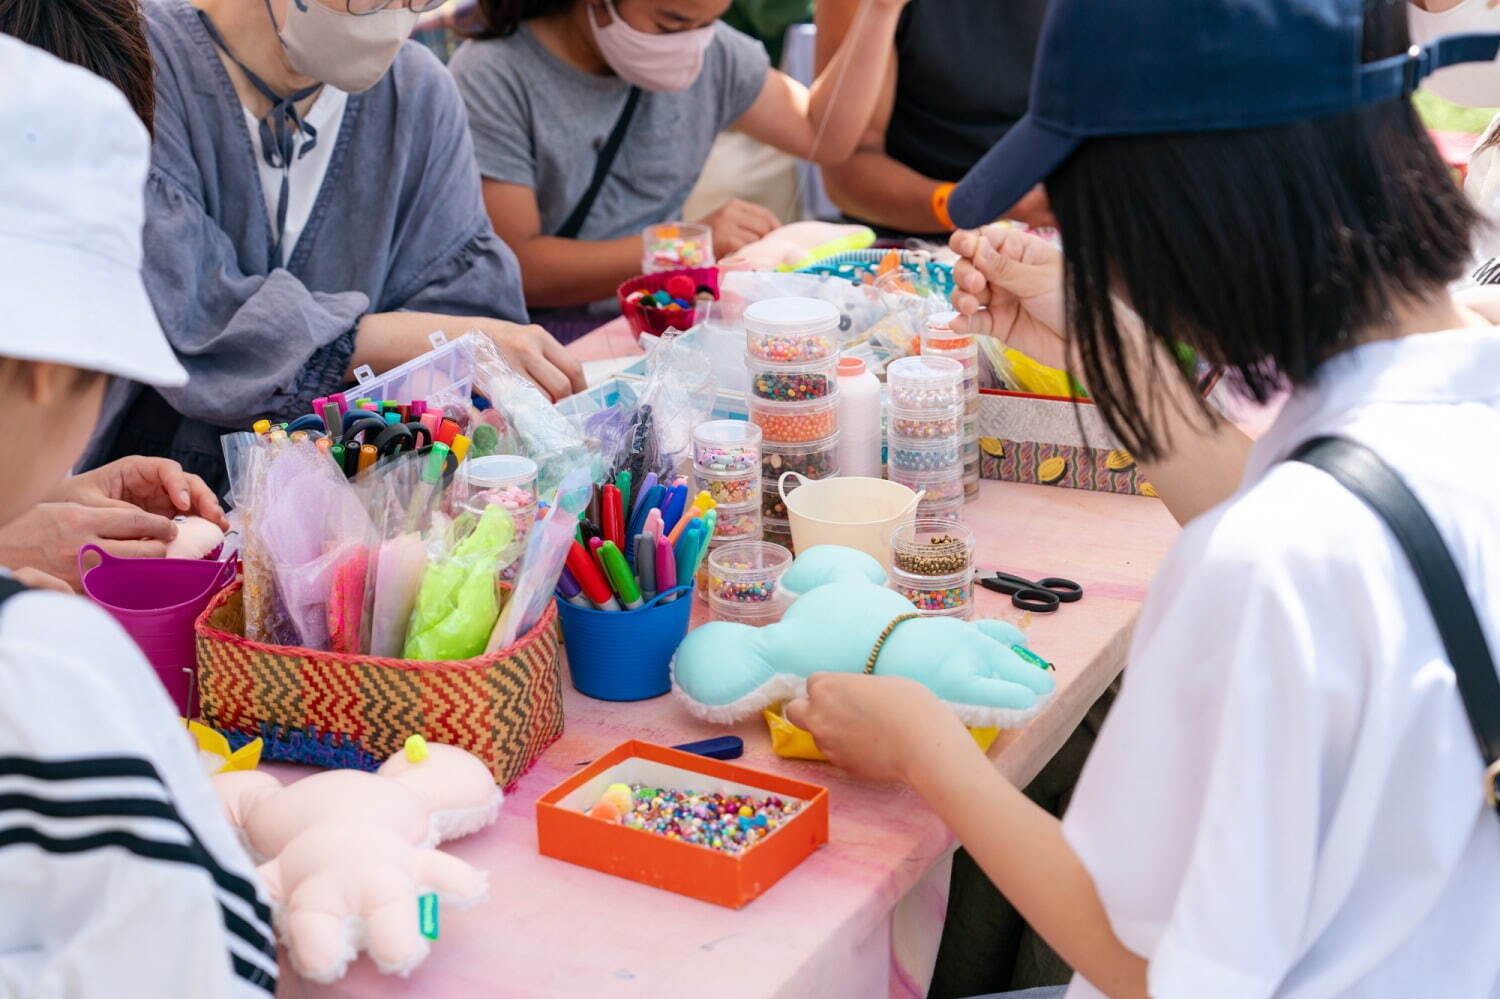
point(940, 205)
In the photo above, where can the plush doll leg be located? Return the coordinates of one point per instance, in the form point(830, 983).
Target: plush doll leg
point(455, 881)
point(983, 701)
point(725, 674)
point(396, 942)
point(315, 931)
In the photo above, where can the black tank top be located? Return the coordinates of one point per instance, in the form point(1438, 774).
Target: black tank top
point(964, 77)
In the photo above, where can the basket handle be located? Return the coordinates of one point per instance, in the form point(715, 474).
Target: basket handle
point(911, 508)
point(781, 483)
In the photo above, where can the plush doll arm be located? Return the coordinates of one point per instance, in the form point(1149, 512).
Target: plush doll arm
point(239, 790)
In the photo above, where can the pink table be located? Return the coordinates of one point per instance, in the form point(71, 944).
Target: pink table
point(859, 917)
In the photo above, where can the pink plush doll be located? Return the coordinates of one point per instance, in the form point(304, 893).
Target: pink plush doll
point(345, 854)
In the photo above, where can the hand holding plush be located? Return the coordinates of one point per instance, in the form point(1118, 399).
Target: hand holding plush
point(726, 672)
point(348, 853)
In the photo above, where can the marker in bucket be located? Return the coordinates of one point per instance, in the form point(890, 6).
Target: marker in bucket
point(620, 576)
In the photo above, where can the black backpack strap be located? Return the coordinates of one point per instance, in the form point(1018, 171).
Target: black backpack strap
point(574, 225)
point(1362, 472)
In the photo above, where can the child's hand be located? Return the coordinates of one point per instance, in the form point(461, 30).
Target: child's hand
point(1009, 284)
point(156, 485)
point(872, 726)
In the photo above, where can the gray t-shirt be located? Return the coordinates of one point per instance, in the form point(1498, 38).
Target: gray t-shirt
point(538, 122)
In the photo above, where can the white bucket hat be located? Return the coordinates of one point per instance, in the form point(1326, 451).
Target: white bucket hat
point(73, 161)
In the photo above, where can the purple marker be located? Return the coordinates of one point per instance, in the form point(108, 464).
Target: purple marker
point(650, 480)
point(569, 590)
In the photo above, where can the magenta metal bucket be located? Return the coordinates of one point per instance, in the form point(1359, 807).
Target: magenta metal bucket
point(157, 601)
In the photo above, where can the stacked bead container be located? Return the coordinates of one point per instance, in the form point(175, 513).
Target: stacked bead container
point(791, 351)
point(727, 466)
point(924, 428)
point(744, 581)
point(932, 565)
point(939, 340)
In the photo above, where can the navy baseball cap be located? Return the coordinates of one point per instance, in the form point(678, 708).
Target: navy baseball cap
point(1153, 67)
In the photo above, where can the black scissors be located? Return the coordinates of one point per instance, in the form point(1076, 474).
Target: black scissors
point(1042, 597)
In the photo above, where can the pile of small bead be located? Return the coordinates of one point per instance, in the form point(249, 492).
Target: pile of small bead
point(925, 420)
point(729, 823)
point(676, 245)
point(791, 386)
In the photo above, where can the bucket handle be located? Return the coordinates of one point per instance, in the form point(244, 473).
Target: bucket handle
point(781, 483)
point(661, 597)
point(104, 557)
point(911, 508)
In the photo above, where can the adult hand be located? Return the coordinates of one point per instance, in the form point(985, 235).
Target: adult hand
point(1009, 284)
point(1033, 209)
point(534, 352)
point(874, 727)
point(737, 224)
point(47, 537)
point(156, 485)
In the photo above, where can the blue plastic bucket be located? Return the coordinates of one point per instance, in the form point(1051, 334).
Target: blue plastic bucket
point(625, 655)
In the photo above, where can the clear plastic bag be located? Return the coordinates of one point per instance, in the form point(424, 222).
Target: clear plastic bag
point(542, 563)
point(458, 602)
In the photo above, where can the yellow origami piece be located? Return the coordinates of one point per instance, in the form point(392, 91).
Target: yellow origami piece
point(213, 743)
point(793, 743)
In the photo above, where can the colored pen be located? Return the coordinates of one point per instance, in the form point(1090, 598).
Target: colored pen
point(613, 526)
point(622, 483)
point(586, 571)
point(620, 577)
point(692, 514)
point(318, 403)
point(432, 474)
point(711, 522)
point(337, 451)
point(643, 494)
point(446, 431)
point(686, 551)
point(666, 567)
point(431, 421)
point(646, 502)
point(645, 562)
point(333, 418)
point(418, 407)
point(569, 590)
point(366, 457)
point(460, 447)
point(671, 509)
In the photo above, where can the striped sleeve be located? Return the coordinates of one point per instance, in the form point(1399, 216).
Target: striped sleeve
point(112, 821)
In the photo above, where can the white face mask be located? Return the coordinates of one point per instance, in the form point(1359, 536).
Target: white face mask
point(1473, 84)
point(660, 62)
point(341, 49)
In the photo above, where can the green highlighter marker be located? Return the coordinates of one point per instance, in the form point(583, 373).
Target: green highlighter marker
point(620, 576)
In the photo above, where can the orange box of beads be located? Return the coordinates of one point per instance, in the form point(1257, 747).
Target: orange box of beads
point(699, 845)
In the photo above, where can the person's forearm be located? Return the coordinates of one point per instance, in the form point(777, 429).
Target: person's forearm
point(876, 188)
point(842, 99)
point(385, 339)
point(1022, 850)
point(559, 272)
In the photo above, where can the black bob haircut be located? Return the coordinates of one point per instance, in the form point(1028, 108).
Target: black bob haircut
point(1266, 250)
point(502, 18)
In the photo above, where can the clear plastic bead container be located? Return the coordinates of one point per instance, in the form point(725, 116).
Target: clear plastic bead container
point(737, 523)
point(728, 488)
point(777, 531)
point(924, 456)
point(924, 383)
point(817, 459)
point(926, 424)
point(747, 573)
point(793, 382)
point(795, 422)
point(932, 548)
point(791, 330)
point(939, 487)
point(726, 446)
point(948, 596)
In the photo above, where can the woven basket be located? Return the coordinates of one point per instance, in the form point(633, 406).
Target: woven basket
point(331, 709)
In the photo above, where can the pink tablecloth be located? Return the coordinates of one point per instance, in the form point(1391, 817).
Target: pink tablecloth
point(859, 917)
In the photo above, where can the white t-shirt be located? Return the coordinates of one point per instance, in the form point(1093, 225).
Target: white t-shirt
point(306, 177)
point(1286, 797)
point(119, 875)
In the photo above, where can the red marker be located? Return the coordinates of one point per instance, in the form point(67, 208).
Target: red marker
point(614, 524)
point(591, 578)
point(446, 431)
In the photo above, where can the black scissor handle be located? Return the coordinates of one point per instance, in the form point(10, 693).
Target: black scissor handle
point(1037, 601)
point(1065, 590)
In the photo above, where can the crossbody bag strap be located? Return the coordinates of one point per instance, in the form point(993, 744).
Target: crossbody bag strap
point(607, 153)
point(1362, 472)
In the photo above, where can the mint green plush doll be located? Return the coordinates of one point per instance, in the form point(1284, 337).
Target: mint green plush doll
point(725, 672)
